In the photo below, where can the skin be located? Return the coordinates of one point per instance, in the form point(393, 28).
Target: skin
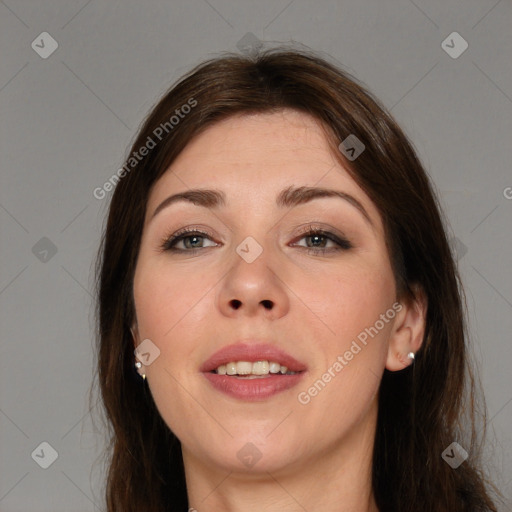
point(319, 304)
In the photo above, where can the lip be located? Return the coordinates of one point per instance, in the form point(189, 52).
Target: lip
point(255, 389)
point(252, 352)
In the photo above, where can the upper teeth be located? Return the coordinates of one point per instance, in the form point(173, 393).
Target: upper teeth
point(248, 368)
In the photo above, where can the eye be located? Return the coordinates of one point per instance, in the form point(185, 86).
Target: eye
point(319, 241)
point(186, 241)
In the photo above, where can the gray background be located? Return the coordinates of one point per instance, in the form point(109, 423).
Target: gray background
point(66, 124)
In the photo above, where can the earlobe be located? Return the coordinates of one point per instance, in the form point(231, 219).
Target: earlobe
point(134, 329)
point(408, 331)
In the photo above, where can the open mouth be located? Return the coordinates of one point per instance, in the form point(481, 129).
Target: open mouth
point(252, 371)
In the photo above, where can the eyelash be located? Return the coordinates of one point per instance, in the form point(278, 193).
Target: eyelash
point(168, 243)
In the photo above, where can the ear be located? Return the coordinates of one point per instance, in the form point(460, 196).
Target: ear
point(408, 330)
point(135, 334)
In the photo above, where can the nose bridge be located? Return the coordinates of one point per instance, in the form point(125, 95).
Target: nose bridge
point(251, 286)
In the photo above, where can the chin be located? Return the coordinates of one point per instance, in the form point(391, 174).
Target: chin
point(245, 457)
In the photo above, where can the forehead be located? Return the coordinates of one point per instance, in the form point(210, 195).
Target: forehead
point(276, 129)
point(254, 156)
point(259, 140)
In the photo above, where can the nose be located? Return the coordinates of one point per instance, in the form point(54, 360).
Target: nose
point(254, 289)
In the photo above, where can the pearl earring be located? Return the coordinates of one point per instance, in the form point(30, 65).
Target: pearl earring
point(138, 365)
point(410, 355)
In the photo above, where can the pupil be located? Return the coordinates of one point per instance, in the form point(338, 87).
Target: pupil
point(191, 240)
point(316, 238)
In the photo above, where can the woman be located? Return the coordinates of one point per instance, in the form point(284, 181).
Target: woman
point(280, 321)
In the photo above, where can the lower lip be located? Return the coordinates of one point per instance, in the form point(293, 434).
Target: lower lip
point(253, 389)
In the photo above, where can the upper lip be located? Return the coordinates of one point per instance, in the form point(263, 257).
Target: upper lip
point(252, 352)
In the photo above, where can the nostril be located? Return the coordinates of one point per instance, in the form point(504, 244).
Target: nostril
point(235, 303)
point(267, 304)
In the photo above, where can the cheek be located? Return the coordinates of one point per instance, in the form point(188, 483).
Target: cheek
point(351, 340)
point(166, 297)
point(348, 301)
point(172, 315)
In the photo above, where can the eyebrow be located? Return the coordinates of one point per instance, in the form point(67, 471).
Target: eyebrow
point(287, 198)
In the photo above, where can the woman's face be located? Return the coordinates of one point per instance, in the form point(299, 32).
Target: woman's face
point(258, 278)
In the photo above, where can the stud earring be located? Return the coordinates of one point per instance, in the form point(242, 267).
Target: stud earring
point(138, 365)
point(410, 355)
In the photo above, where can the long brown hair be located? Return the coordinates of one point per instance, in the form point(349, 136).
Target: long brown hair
point(422, 409)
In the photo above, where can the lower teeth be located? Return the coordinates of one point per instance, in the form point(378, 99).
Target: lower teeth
point(250, 376)
point(259, 376)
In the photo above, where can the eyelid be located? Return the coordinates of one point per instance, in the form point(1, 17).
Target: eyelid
point(319, 227)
